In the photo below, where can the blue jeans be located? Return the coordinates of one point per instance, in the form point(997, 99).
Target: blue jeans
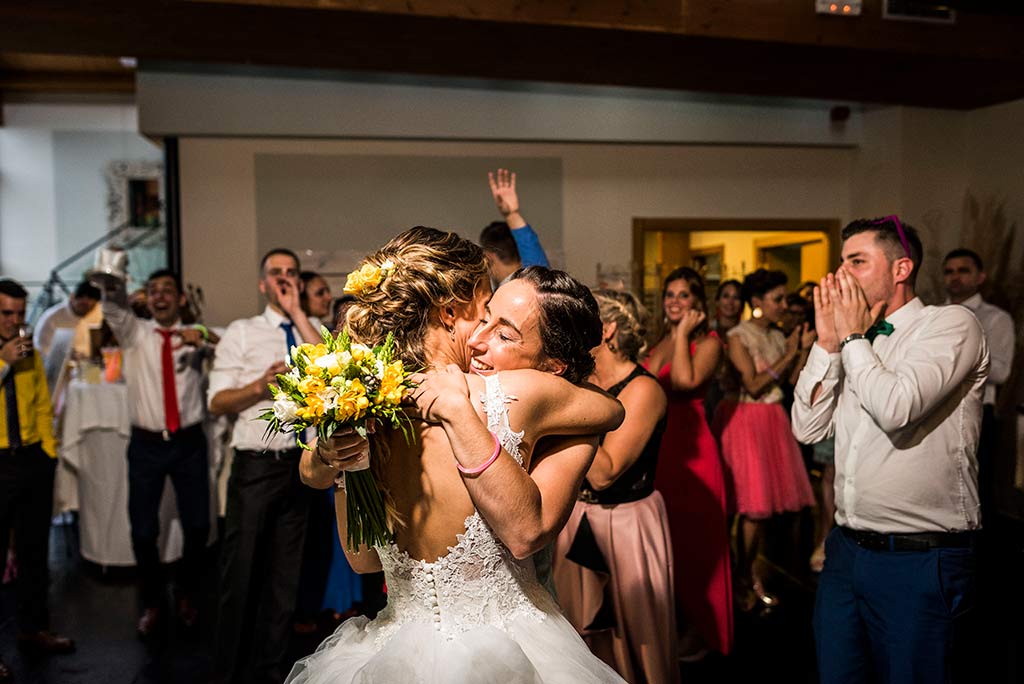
point(891, 616)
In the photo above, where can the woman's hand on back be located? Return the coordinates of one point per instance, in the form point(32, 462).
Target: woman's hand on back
point(441, 395)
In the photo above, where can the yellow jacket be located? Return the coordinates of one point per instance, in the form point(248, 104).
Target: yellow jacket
point(35, 413)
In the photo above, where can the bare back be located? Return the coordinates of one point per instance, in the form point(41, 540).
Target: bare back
point(426, 487)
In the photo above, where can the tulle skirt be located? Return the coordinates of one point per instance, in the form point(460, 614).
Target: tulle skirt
point(636, 633)
point(763, 459)
point(530, 652)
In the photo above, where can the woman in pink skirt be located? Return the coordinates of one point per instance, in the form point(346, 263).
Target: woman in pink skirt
point(760, 452)
point(613, 559)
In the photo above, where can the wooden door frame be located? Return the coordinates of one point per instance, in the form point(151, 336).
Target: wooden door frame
point(829, 226)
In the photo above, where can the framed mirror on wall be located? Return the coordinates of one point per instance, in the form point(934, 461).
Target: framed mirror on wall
point(136, 209)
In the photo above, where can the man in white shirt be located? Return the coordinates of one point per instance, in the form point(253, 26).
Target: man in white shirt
point(163, 364)
point(964, 275)
point(267, 505)
point(902, 396)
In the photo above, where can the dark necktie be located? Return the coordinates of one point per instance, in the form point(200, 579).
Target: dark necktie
point(171, 417)
point(289, 336)
point(11, 399)
point(882, 327)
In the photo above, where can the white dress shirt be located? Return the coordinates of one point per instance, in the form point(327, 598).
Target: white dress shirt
point(906, 415)
point(1001, 338)
point(142, 363)
point(246, 349)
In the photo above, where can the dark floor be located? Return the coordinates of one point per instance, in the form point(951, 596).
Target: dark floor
point(99, 610)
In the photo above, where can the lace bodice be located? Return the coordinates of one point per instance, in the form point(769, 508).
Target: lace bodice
point(478, 581)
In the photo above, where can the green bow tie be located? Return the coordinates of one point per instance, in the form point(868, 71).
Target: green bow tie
point(881, 328)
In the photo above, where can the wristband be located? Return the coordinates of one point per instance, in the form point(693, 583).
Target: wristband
point(770, 371)
point(486, 464)
point(850, 338)
point(202, 331)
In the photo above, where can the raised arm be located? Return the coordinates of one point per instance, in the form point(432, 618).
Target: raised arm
point(503, 190)
point(816, 396)
point(946, 353)
point(644, 402)
point(689, 372)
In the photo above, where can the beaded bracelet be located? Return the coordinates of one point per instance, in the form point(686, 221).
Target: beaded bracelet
point(487, 464)
point(770, 371)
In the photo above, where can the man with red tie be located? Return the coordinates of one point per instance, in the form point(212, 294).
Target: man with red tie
point(163, 363)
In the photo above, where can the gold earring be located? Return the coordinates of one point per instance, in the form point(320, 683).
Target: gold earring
point(451, 332)
point(756, 312)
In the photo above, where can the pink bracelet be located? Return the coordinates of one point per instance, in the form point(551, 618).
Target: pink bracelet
point(772, 373)
point(487, 464)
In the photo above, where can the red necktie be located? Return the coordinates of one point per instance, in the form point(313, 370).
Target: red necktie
point(170, 391)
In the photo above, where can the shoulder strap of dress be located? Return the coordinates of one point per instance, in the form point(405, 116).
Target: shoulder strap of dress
point(621, 384)
point(496, 403)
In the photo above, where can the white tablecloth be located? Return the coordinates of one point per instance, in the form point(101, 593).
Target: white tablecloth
point(95, 431)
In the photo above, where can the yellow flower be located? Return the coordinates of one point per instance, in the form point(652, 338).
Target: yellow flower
point(360, 352)
point(315, 351)
point(367, 278)
point(311, 385)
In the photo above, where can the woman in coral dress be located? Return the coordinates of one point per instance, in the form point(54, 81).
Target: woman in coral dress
point(762, 457)
point(690, 473)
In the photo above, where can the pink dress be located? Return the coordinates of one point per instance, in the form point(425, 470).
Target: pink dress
point(613, 570)
point(691, 477)
point(760, 453)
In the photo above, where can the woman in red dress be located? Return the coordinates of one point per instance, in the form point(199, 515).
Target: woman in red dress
point(690, 473)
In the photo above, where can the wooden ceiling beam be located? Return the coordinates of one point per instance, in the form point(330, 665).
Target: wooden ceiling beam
point(299, 35)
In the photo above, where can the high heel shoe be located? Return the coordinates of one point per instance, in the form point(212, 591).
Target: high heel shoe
point(767, 599)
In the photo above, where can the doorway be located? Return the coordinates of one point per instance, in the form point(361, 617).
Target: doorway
point(727, 249)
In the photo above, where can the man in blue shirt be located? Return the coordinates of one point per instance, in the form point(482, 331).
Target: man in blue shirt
point(510, 244)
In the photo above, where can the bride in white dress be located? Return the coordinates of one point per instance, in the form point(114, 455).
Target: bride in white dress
point(464, 604)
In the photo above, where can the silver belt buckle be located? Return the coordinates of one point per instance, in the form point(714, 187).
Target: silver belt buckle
point(166, 435)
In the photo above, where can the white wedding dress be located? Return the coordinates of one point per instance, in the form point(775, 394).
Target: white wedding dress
point(475, 615)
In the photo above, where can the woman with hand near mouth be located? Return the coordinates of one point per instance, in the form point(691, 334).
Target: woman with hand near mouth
point(613, 561)
point(690, 473)
point(489, 480)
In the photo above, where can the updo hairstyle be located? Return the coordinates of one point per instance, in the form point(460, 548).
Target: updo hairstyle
point(630, 318)
point(431, 268)
point(761, 282)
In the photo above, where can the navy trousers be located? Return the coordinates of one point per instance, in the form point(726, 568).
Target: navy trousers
point(891, 616)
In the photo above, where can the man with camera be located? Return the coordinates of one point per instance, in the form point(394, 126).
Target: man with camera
point(28, 457)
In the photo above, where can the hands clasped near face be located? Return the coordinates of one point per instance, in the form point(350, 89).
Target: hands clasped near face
point(841, 309)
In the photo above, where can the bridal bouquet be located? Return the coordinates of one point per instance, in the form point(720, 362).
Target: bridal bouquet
point(338, 383)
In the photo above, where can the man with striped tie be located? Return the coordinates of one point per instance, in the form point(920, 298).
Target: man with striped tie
point(267, 504)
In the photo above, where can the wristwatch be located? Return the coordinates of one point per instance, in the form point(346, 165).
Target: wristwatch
point(850, 338)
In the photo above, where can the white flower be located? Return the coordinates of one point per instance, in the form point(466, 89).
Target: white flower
point(285, 409)
point(330, 397)
point(344, 358)
point(387, 265)
point(327, 360)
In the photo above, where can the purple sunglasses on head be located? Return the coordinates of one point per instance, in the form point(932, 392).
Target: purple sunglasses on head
point(899, 229)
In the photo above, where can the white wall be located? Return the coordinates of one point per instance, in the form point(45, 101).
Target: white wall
point(603, 188)
point(52, 190)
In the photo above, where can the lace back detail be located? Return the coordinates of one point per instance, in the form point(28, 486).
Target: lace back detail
point(496, 403)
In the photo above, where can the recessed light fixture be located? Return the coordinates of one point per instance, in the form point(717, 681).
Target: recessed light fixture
point(841, 8)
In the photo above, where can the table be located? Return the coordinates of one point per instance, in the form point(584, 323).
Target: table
point(94, 469)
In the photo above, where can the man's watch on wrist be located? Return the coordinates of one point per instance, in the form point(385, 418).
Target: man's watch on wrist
point(850, 338)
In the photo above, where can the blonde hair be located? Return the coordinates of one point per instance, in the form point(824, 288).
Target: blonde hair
point(630, 318)
point(430, 269)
